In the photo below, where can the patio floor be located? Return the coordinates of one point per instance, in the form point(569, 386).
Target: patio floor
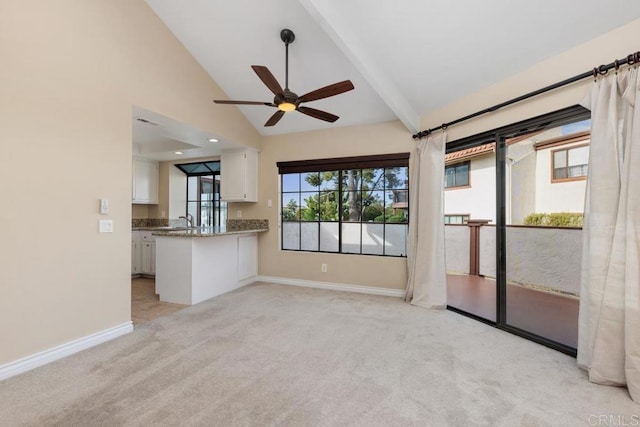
point(547, 314)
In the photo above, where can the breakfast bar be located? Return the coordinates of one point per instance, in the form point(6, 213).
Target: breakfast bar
point(194, 265)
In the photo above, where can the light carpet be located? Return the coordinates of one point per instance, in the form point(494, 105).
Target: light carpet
point(281, 355)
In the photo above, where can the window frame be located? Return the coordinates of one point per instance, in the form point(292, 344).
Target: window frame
point(552, 157)
point(218, 206)
point(339, 165)
point(464, 217)
point(456, 165)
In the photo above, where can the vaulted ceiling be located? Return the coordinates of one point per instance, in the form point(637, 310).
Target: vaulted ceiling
point(404, 57)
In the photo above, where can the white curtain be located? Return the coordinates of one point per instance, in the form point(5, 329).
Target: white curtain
point(427, 284)
point(609, 324)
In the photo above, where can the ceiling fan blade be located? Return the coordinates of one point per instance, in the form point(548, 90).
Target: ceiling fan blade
point(268, 79)
point(275, 118)
point(226, 101)
point(318, 114)
point(327, 91)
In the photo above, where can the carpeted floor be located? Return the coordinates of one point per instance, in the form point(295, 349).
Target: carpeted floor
point(278, 355)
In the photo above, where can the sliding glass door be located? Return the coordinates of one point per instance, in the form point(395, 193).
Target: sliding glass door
point(545, 181)
point(469, 217)
point(518, 266)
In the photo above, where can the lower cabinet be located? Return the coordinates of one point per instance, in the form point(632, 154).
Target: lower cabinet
point(143, 253)
point(136, 267)
point(149, 258)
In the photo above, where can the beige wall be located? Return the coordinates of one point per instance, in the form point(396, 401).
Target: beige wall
point(375, 271)
point(140, 211)
point(73, 69)
point(602, 50)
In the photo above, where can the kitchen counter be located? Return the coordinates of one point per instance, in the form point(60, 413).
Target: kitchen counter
point(191, 268)
point(205, 232)
point(160, 228)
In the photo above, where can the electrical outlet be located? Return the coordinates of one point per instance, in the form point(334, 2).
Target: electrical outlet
point(238, 213)
point(323, 268)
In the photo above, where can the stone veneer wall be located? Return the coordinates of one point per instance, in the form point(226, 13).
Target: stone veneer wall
point(247, 224)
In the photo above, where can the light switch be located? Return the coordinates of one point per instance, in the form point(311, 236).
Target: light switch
point(269, 203)
point(106, 226)
point(104, 206)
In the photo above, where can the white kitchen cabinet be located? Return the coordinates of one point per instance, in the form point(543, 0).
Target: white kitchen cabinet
point(247, 256)
point(149, 258)
point(147, 253)
point(145, 182)
point(135, 253)
point(239, 176)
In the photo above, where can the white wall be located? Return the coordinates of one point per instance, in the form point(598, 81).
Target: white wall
point(557, 196)
point(478, 200)
point(521, 181)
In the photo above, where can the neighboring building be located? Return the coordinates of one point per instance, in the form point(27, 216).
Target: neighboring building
point(546, 173)
point(470, 182)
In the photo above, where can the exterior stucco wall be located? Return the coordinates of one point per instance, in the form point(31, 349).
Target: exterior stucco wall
point(547, 257)
point(456, 241)
point(478, 200)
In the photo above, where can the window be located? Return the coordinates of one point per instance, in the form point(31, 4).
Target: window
point(203, 194)
point(355, 205)
point(570, 163)
point(456, 175)
point(456, 219)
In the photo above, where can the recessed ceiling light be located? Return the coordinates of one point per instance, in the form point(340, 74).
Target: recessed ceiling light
point(178, 152)
point(213, 140)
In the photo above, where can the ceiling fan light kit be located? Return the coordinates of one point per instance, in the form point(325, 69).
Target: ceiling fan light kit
point(285, 100)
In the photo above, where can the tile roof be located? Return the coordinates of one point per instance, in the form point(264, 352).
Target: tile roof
point(470, 152)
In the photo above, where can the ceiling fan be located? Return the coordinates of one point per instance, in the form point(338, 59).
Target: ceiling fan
point(286, 100)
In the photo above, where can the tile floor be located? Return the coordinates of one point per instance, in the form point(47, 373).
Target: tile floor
point(145, 304)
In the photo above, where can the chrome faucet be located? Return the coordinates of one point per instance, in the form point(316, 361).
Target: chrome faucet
point(188, 219)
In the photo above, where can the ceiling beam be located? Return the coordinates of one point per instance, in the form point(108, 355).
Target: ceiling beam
point(333, 24)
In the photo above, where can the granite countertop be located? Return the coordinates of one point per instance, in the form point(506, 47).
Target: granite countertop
point(206, 232)
point(161, 228)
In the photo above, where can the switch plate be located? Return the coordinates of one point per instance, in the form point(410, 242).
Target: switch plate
point(269, 203)
point(104, 206)
point(106, 226)
point(238, 213)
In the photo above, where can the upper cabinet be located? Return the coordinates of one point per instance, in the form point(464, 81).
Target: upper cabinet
point(145, 182)
point(239, 176)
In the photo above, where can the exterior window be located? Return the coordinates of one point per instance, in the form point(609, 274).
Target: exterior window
point(570, 163)
point(456, 175)
point(203, 194)
point(356, 210)
point(456, 219)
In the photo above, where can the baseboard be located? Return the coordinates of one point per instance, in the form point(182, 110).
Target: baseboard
point(47, 356)
point(334, 286)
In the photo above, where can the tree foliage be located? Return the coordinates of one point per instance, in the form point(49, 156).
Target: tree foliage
point(362, 194)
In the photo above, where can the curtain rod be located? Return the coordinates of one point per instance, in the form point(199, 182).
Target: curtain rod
point(631, 59)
